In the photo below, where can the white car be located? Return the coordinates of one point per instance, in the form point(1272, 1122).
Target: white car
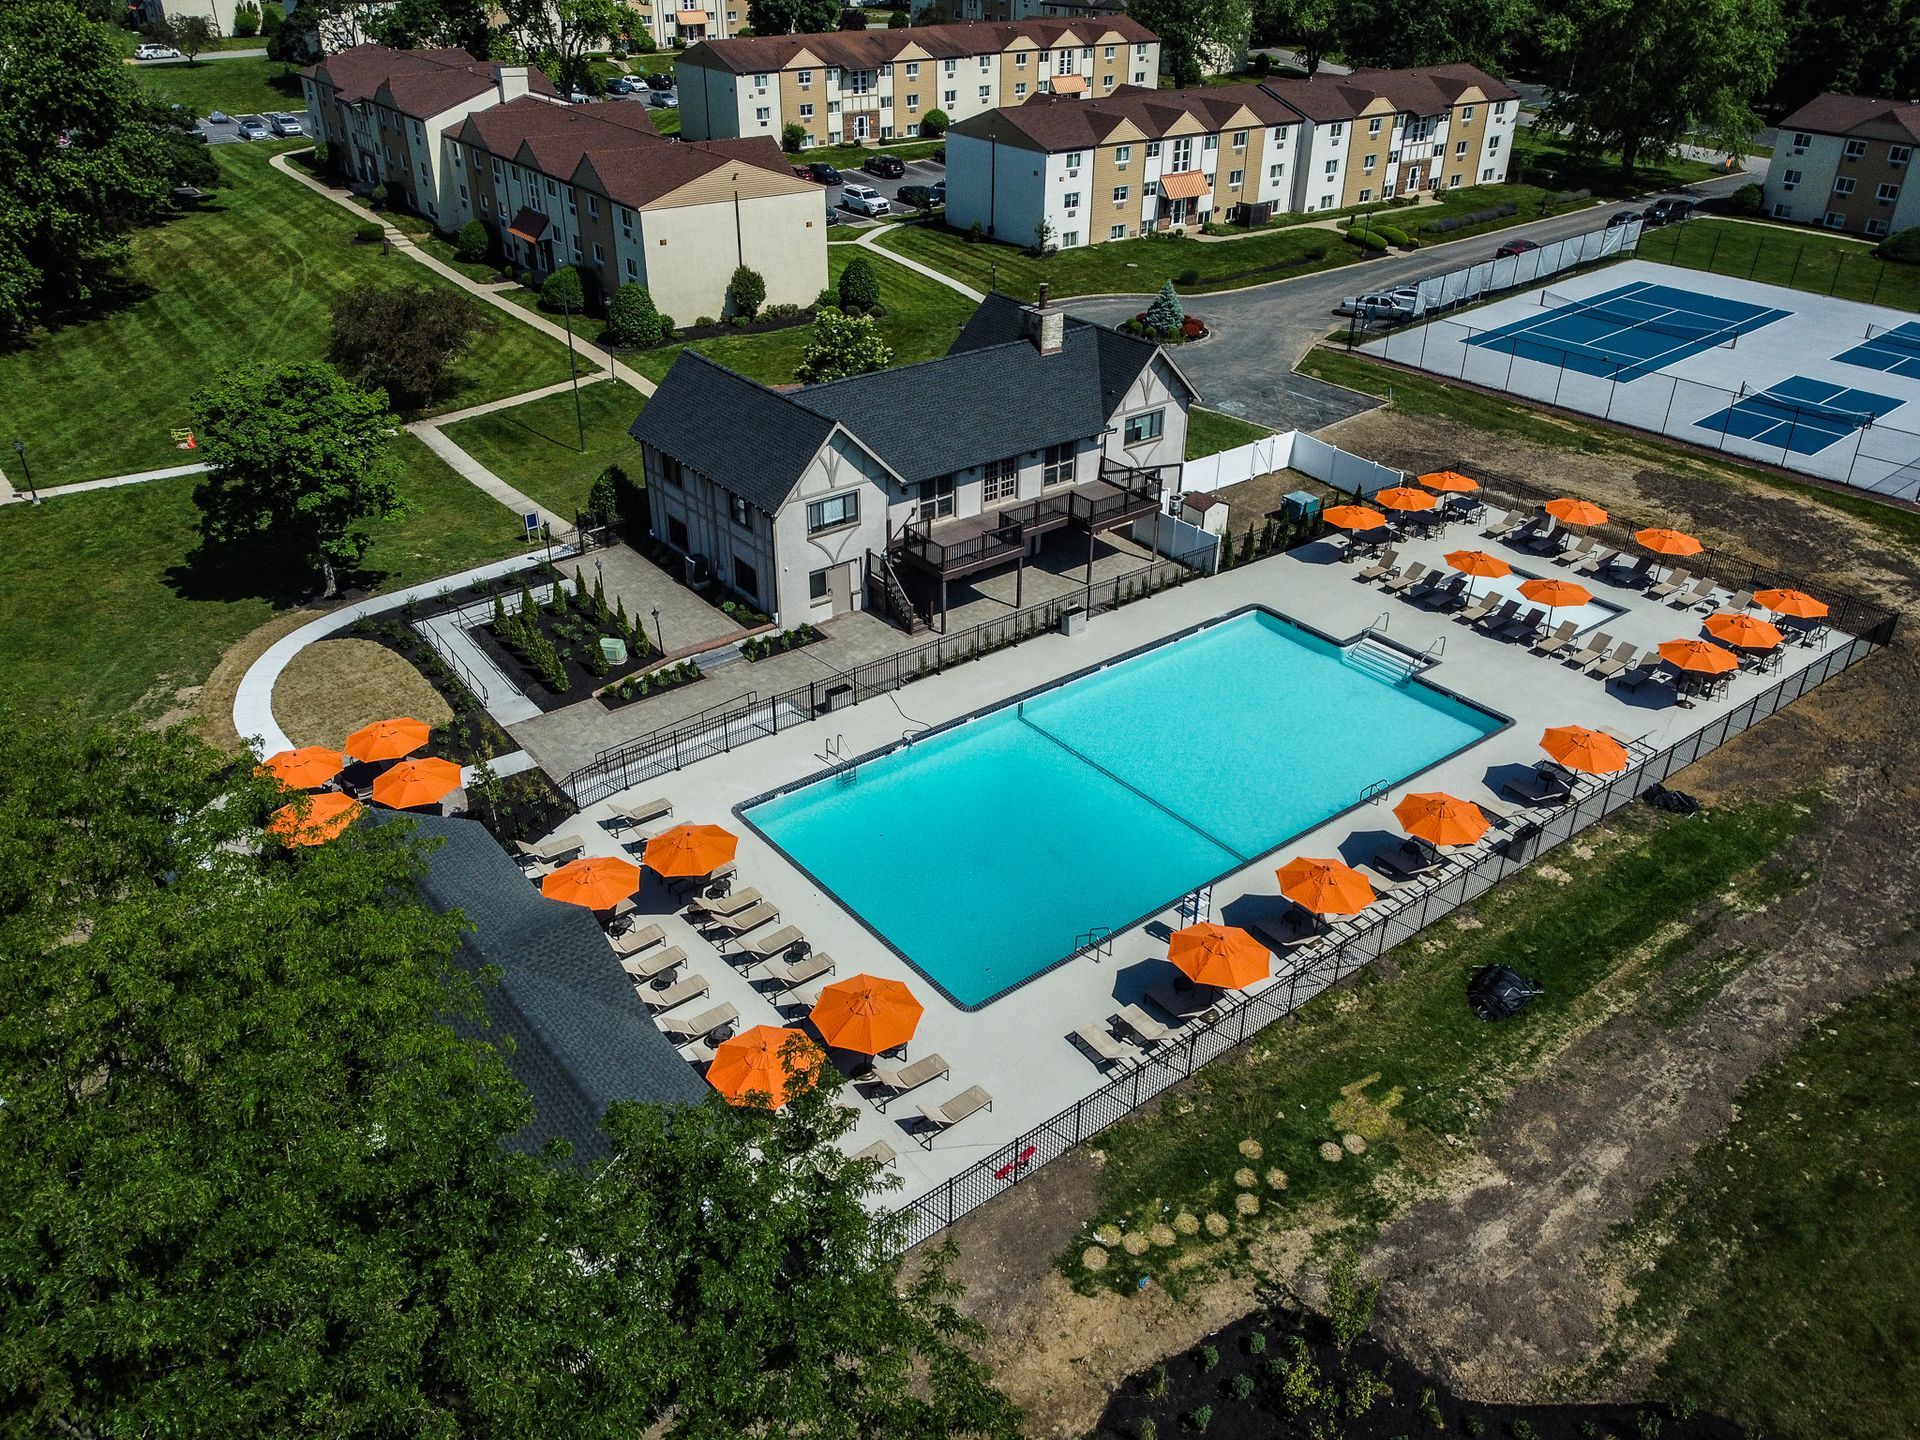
point(1390, 305)
point(864, 200)
point(155, 52)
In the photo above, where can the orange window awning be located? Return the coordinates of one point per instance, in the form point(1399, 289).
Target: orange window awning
point(690, 18)
point(1069, 84)
point(1186, 185)
point(528, 225)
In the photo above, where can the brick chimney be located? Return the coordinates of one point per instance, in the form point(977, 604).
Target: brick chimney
point(1046, 327)
point(511, 80)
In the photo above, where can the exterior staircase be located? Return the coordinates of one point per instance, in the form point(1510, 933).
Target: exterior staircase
point(885, 588)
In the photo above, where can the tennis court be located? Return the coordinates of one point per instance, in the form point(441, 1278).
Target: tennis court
point(1890, 349)
point(1629, 331)
point(1801, 415)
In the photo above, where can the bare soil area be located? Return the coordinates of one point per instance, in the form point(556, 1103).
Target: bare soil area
point(333, 687)
point(1500, 1277)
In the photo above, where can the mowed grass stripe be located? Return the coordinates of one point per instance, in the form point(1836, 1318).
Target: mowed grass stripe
point(252, 277)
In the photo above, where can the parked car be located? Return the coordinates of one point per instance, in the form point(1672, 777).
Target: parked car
point(1515, 247)
point(822, 173)
point(1389, 305)
point(287, 127)
point(1622, 217)
point(624, 85)
point(664, 100)
point(660, 80)
point(578, 97)
point(923, 197)
point(801, 172)
point(1670, 211)
point(254, 127)
point(218, 117)
point(864, 200)
point(151, 51)
point(887, 167)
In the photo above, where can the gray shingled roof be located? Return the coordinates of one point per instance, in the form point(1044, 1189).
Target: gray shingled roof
point(1001, 320)
point(580, 1037)
point(733, 430)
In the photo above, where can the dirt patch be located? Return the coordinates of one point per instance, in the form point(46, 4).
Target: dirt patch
point(333, 687)
point(210, 709)
point(1502, 1283)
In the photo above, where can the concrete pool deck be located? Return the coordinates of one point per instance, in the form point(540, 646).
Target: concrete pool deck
point(1017, 1047)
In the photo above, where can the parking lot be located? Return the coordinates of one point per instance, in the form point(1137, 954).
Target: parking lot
point(919, 172)
point(226, 129)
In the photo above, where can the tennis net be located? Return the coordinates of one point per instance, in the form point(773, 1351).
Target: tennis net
point(1798, 410)
point(1905, 336)
point(1716, 337)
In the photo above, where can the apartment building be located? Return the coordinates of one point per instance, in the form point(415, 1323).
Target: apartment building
point(688, 22)
point(595, 187)
point(1140, 161)
point(1842, 161)
point(383, 113)
point(880, 490)
point(857, 86)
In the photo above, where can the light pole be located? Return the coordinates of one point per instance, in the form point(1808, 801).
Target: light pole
point(20, 449)
point(659, 639)
point(566, 309)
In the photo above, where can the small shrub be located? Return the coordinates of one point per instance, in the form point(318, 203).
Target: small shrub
point(1189, 276)
point(1208, 1356)
point(934, 124)
point(1148, 1430)
point(369, 232)
point(1747, 200)
point(746, 292)
point(705, 322)
point(246, 19)
point(1257, 1343)
point(793, 137)
point(1429, 1407)
point(1590, 1429)
point(473, 243)
point(632, 319)
point(1474, 1426)
point(859, 287)
point(563, 290)
point(1157, 1383)
point(1522, 1430)
point(379, 197)
point(1902, 249)
point(1646, 1425)
point(1200, 1419)
point(1241, 1386)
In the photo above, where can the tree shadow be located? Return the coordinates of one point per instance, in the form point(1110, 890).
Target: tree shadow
point(264, 566)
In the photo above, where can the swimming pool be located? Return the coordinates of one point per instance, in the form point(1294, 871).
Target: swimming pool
point(984, 850)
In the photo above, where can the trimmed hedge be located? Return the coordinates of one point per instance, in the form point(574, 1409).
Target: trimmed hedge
point(1471, 217)
point(1373, 241)
point(1902, 249)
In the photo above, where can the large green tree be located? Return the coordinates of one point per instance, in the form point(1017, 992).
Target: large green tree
point(403, 339)
point(793, 17)
point(1639, 76)
point(1858, 49)
point(255, 1183)
point(421, 24)
point(78, 165)
point(557, 34)
point(301, 460)
point(1431, 32)
point(1193, 33)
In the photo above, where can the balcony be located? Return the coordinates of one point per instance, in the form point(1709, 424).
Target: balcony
point(949, 549)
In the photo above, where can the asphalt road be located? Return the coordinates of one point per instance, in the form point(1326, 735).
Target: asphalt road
point(1245, 367)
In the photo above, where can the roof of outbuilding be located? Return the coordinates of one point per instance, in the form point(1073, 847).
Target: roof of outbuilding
point(869, 49)
point(1842, 114)
point(580, 1037)
point(419, 83)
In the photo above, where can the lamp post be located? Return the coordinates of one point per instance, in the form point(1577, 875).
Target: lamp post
point(573, 373)
point(659, 639)
point(20, 449)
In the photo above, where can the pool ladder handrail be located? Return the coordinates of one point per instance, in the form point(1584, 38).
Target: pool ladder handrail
point(1373, 791)
point(1096, 941)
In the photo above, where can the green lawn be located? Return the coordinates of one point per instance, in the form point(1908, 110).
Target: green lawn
point(1546, 159)
point(251, 277)
point(852, 157)
point(1425, 395)
point(1404, 1063)
point(535, 446)
point(923, 318)
point(1527, 200)
point(252, 83)
point(1786, 1264)
point(1129, 267)
point(107, 611)
point(665, 121)
point(1799, 259)
point(1209, 432)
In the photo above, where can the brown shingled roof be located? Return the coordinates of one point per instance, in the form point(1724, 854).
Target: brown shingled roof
point(1065, 122)
point(1430, 90)
point(419, 83)
point(869, 49)
point(1843, 114)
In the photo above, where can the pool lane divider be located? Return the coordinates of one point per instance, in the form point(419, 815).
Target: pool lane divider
point(1020, 713)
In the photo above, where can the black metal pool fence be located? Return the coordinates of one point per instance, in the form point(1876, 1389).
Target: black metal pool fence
point(1389, 922)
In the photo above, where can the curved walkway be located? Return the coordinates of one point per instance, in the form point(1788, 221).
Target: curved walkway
point(867, 240)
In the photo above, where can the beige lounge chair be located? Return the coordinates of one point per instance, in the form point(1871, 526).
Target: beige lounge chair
point(897, 1080)
point(879, 1151)
point(1405, 579)
point(751, 918)
point(634, 941)
point(693, 1027)
point(1743, 600)
point(1287, 933)
point(1596, 560)
point(1624, 657)
point(1700, 593)
point(1137, 1021)
point(656, 963)
point(1389, 558)
point(1561, 637)
point(1596, 646)
point(970, 1101)
point(1104, 1047)
point(1479, 609)
point(691, 988)
point(1509, 522)
point(643, 812)
point(720, 905)
point(788, 977)
point(554, 850)
point(1676, 581)
point(774, 942)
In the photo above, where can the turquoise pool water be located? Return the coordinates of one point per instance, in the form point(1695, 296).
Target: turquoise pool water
point(982, 851)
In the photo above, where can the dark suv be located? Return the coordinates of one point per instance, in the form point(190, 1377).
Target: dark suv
point(660, 81)
point(1666, 212)
point(823, 173)
point(887, 167)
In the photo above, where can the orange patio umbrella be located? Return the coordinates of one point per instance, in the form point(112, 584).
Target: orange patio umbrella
point(1749, 631)
point(306, 767)
point(1326, 887)
point(867, 1014)
point(1592, 752)
point(690, 850)
point(416, 782)
point(1353, 517)
point(1405, 497)
point(1219, 955)
point(313, 821)
point(1667, 542)
point(1440, 819)
point(387, 739)
point(1797, 603)
point(594, 882)
point(759, 1062)
point(1576, 512)
point(1477, 565)
point(1701, 656)
point(1450, 482)
point(1555, 594)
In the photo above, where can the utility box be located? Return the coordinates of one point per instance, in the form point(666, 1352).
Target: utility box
point(1073, 620)
point(837, 697)
point(1299, 505)
point(614, 649)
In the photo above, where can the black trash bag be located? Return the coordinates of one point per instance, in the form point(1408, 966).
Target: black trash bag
point(1498, 993)
point(1674, 802)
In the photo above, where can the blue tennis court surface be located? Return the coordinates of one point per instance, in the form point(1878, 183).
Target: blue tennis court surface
point(1892, 352)
point(1801, 415)
point(1629, 332)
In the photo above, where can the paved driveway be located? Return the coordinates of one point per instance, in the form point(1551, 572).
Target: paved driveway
point(1246, 367)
